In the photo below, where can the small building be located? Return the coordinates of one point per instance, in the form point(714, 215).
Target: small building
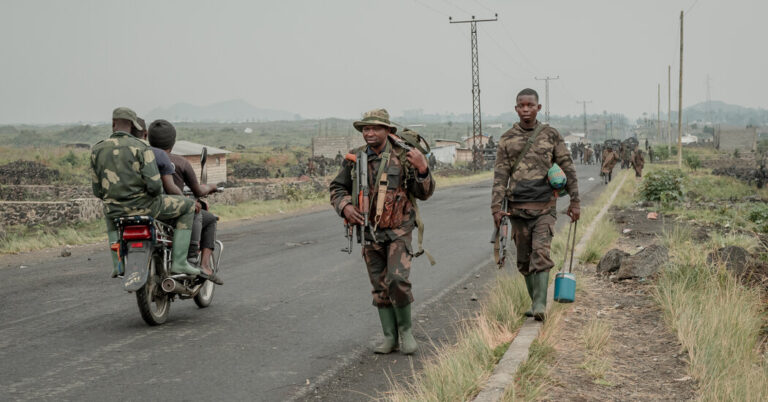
point(445, 154)
point(217, 159)
point(732, 138)
point(463, 155)
point(441, 142)
point(329, 147)
point(482, 140)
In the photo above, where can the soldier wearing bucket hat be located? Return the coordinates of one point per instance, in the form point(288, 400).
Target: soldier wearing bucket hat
point(527, 154)
point(397, 177)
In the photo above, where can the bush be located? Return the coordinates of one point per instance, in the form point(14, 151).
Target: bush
point(660, 152)
point(663, 185)
point(759, 215)
point(692, 161)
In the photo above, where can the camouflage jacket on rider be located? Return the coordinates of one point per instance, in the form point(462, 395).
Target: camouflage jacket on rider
point(125, 176)
point(402, 181)
point(528, 187)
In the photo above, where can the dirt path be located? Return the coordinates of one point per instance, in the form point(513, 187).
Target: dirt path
point(641, 359)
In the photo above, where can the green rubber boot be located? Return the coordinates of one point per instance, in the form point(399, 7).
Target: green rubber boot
point(540, 284)
point(112, 238)
point(389, 326)
point(179, 264)
point(529, 286)
point(403, 315)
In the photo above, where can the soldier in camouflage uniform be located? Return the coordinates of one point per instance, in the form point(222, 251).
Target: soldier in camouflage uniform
point(531, 200)
point(387, 251)
point(126, 178)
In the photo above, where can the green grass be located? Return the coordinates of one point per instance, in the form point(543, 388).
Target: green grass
point(20, 239)
point(718, 320)
point(604, 235)
point(256, 209)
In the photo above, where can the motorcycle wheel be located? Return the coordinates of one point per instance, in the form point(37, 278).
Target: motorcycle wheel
point(154, 304)
point(204, 297)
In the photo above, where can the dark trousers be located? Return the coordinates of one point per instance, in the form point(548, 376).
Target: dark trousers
point(389, 265)
point(204, 230)
point(533, 238)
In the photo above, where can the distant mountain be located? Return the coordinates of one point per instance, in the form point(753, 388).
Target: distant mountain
point(236, 110)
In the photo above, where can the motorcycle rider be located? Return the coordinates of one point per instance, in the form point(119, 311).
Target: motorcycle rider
point(162, 135)
point(125, 177)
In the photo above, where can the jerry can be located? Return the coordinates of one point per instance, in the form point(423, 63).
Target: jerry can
point(565, 287)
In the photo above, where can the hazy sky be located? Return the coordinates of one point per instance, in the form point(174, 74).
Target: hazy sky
point(68, 61)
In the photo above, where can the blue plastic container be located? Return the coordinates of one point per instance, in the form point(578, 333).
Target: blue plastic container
point(565, 287)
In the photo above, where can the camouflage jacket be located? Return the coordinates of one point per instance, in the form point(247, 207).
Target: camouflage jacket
point(398, 176)
point(528, 183)
point(125, 176)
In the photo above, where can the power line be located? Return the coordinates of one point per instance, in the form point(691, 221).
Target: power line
point(483, 6)
point(503, 49)
point(430, 8)
point(691, 7)
point(584, 103)
point(457, 7)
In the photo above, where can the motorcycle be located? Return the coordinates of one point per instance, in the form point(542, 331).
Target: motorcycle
point(144, 252)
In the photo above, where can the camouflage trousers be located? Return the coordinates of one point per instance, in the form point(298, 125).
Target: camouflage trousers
point(389, 265)
point(165, 208)
point(532, 231)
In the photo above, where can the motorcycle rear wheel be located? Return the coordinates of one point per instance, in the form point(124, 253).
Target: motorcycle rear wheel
point(154, 303)
point(204, 297)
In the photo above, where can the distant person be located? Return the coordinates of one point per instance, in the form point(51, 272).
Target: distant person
point(126, 178)
point(638, 162)
point(588, 155)
point(610, 159)
point(162, 135)
point(387, 250)
point(531, 200)
point(650, 155)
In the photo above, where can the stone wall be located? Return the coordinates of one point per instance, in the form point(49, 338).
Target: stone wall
point(38, 212)
point(50, 213)
point(43, 192)
point(329, 147)
point(729, 139)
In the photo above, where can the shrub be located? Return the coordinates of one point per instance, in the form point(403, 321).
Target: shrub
point(759, 215)
point(660, 152)
point(664, 185)
point(692, 161)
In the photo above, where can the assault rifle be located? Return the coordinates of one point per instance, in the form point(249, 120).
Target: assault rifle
point(501, 235)
point(360, 198)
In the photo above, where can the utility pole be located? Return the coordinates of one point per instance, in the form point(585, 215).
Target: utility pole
point(709, 102)
point(477, 125)
point(680, 102)
point(546, 93)
point(658, 115)
point(584, 103)
point(669, 109)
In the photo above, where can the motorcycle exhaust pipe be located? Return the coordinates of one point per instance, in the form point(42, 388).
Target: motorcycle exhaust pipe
point(170, 285)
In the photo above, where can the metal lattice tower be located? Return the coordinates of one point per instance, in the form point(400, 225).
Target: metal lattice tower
point(477, 125)
point(546, 93)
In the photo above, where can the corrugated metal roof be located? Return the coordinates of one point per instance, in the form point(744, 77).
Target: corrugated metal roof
point(186, 148)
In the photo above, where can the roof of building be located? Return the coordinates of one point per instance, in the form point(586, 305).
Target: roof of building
point(186, 148)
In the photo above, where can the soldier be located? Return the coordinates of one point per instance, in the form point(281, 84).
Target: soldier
point(531, 200)
point(650, 155)
point(588, 155)
point(125, 176)
point(610, 158)
point(638, 162)
point(387, 250)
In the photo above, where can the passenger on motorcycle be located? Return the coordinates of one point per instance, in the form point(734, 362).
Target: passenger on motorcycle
point(162, 135)
point(164, 164)
point(125, 177)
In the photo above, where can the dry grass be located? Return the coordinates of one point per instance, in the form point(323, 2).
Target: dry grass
point(450, 181)
point(717, 319)
point(595, 338)
point(22, 239)
point(456, 372)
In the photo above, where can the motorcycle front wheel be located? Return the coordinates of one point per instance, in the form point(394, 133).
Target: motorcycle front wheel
point(154, 303)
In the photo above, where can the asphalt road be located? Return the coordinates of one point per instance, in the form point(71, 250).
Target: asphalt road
point(293, 310)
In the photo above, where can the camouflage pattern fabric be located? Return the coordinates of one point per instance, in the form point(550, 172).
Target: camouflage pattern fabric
point(638, 162)
point(532, 231)
point(126, 178)
point(529, 181)
point(389, 266)
point(610, 158)
point(388, 258)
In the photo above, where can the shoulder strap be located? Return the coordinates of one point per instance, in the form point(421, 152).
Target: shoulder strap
point(527, 147)
point(381, 182)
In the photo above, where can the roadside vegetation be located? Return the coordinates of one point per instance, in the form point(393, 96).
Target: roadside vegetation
point(457, 371)
point(719, 319)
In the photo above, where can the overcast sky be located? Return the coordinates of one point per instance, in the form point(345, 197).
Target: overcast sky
point(69, 61)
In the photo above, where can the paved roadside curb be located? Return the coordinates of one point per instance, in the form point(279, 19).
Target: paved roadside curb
point(504, 373)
